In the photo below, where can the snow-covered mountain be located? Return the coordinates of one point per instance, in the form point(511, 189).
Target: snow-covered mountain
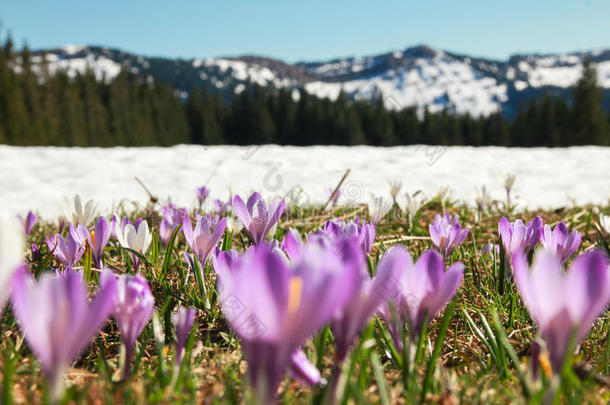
point(417, 76)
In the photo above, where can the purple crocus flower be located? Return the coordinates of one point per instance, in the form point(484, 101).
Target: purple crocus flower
point(257, 216)
point(117, 225)
point(134, 308)
point(202, 194)
point(172, 217)
point(35, 252)
point(220, 207)
point(57, 319)
point(67, 251)
point(490, 249)
point(183, 319)
point(561, 303)
point(224, 261)
point(28, 222)
point(274, 306)
point(201, 240)
point(96, 240)
point(517, 237)
point(366, 299)
point(446, 233)
point(292, 244)
point(424, 289)
point(561, 241)
point(337, 229)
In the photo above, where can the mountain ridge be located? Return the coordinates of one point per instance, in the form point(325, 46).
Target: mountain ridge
point(418, 76)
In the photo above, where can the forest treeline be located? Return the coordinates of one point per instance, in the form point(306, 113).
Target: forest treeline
point(40, 108)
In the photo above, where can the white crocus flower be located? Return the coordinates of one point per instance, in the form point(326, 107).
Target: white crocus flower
point(234, 225)
point(483, 198)
point(135, 239)
point(12, 242)
point(509, 181)
point(77, 213)
point(414, 203)
point(378, 208)
point(604, 222)
point(395, 187)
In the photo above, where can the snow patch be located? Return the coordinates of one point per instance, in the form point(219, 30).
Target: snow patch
point(38, 177)
point(72, 49)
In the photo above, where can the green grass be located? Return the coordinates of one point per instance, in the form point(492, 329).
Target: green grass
point(478, 351)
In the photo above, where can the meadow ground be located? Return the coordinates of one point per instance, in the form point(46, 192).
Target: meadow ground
point(477, 351)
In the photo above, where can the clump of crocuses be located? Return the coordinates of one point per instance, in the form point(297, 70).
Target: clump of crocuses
point(518, 237)
point(563, 305)
point(68, 251)
point(274, 306)
point(368, 294)
point(337, 229)
point(258, 216)
point(96, 240)
point(57, 319)
point(134, 308)
point(423, 290)
point(447, 233)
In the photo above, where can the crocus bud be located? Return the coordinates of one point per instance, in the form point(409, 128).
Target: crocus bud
point(28, 222)
point(134, 308)
point(202, 194)
point(183, 322)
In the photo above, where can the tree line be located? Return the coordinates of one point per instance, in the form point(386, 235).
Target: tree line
point(41, 108)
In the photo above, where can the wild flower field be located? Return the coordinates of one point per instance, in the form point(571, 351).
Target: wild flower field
point(260, 302)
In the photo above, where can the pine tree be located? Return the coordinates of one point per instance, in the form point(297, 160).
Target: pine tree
point(590, 124)
point(32, 127)
point(96, 114)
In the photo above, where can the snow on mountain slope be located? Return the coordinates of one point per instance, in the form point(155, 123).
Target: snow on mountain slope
point(437, 83)
point(417, 76)
point(560, 70)
point(243, 71)
point(102, 67)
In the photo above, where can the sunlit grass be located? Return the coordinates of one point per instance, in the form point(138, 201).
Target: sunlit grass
point(476, 352)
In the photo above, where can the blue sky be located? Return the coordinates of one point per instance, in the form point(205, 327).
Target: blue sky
point(311, 30)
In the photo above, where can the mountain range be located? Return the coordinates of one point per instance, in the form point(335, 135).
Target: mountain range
point(417, 76)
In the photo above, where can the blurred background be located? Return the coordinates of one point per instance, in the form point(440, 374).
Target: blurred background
point(506, 73)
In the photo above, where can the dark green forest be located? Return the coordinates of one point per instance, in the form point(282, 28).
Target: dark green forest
point(44, 109)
